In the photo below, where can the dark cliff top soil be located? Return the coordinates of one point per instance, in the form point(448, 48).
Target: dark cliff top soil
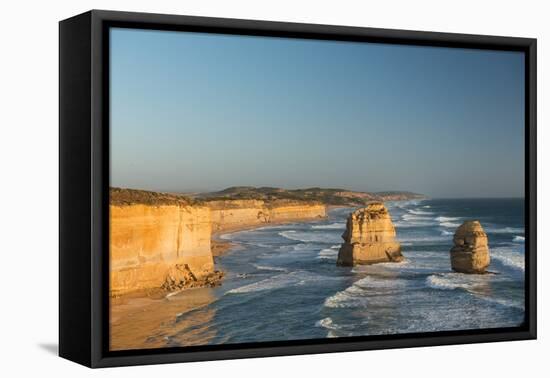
point(336, 197)
point(126, 197)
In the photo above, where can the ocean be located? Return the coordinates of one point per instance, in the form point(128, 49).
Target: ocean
point(282, 282)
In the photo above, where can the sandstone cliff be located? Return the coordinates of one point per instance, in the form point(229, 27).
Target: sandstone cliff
point(160, 246)
point(236, 214)
point(160, 240)
point(369, 237)
point(470, 253)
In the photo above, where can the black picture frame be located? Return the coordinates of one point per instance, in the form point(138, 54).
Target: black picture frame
point(84, 187)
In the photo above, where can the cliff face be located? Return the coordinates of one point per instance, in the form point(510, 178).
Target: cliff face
point(152, 245)
point(369, 237)
point(164, 241)
point(235, 214)
point(470, 253)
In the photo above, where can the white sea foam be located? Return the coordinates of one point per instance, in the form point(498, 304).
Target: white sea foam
point(296, 247)
point(420, 212)
point(504, 230)
point(414, 217)
point(326, 323)
point(446, 233)
point(509, 257)
point(473, 283)
point(451, 281)
point(447, 219)
point(328, 254)
point(267, 267)
point(387, 265)
point(356, 295)
point(409, 220)
point(505, 302)
point(449, 224)
point(274, 227)
point(519, 239)
point(346, 299)
point(370, 282)
point(305, 236)
point(278, 282)
point(332, 226)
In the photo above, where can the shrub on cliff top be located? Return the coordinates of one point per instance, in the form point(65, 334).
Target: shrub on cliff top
point(125, 197)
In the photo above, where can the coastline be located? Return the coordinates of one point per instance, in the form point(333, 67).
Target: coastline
point(138, 318)
point(220, 246)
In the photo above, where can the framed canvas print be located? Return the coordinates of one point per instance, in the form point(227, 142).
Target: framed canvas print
point(234, 188)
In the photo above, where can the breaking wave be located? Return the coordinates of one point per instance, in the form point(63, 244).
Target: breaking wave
point(420, 212)
point(447, 219)
point(356, 295)
point(271, 268)
point(452, 281)
point(328, 254)
point(332, 226)
point(474, 284)
point(308, 237)
point(505, 230)
point(449, 224)
point(327, 323)
point(509, 258)
point(278, 282)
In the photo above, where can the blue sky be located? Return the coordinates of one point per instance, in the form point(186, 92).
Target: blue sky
point(201, 112)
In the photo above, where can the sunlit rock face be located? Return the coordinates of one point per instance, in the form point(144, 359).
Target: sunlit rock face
point(230, 215)
point(167, 244)
point(470, 253)
point(369, 237)
point(148, 243)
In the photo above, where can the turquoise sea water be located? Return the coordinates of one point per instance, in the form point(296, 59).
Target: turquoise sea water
point(282, 282)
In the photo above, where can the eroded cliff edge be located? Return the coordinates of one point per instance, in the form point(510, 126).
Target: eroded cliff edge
point(163, 241)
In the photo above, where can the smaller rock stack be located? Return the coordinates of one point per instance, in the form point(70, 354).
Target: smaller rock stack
point(470, 253)
point(369, 237)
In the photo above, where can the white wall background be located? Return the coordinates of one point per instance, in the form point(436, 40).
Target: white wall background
point(29, 189)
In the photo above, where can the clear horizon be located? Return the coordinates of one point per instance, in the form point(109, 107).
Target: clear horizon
point(203, 112)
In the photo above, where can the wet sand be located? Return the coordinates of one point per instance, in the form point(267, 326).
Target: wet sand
point(142, 322)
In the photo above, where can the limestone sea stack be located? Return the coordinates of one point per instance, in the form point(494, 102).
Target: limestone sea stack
point(369, 238)
point(470, 253)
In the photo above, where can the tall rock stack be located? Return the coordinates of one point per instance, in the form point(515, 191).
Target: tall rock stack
point(470, 253)
point(369, 238)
